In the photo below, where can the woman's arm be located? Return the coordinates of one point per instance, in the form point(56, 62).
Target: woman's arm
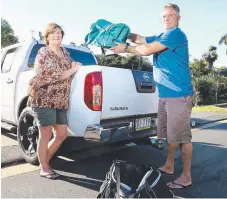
point(74, 68)
point(74, 65)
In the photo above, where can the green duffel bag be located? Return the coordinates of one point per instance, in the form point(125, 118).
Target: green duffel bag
point(105, 34)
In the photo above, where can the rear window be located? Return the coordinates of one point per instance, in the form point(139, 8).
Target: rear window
point(32, 56)
point(82, 57)
point(77, 55)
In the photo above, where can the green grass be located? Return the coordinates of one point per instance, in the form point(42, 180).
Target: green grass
point(210, 108)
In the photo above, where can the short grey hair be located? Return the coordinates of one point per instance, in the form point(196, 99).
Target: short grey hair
point(174, 6)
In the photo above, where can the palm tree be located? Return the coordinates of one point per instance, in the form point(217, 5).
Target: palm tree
point(211, 56)
point(223, 40)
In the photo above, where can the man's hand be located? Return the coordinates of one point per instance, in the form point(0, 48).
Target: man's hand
point(75, 66)
point(132, 37)
point(119, 48)
point(137, 39)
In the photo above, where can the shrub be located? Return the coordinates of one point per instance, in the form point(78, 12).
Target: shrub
point(209, 89)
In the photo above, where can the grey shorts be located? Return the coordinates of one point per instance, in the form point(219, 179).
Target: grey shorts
point(50, 116)
point(174, 119)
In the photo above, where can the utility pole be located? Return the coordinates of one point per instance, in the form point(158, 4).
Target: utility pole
point(32, 33)
point(40, 35)
point(139, 62)
point(217, 93)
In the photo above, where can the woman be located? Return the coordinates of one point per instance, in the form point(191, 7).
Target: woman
point(49, 95)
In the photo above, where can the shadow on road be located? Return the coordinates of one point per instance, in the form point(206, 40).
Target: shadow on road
point(95, 168)
point(209, 171)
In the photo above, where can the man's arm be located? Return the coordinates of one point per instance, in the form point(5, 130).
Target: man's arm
point(137, 39)
point(141, 49)
point(146, 49)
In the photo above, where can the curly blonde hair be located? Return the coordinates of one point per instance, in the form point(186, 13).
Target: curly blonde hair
point(50, 29)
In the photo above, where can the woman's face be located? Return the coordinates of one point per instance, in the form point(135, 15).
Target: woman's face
point(55, 37)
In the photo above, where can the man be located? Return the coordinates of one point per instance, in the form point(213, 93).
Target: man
point(173, 79)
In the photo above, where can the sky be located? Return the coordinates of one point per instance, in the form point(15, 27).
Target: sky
point(203, 21)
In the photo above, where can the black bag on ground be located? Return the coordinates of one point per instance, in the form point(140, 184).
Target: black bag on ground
point(133, 181)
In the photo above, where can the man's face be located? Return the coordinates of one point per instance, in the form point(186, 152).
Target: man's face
point(170, 18)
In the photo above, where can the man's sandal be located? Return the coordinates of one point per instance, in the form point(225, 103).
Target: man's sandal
point(165, 173)
point(179, 186)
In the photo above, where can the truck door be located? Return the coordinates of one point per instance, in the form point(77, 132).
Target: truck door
point(9, 70)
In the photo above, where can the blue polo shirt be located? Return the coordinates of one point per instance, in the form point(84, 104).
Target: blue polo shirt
point(171, 67)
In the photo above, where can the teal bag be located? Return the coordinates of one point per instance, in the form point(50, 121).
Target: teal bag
point(105, 34)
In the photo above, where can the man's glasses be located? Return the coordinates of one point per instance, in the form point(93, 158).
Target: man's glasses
point(169, 16)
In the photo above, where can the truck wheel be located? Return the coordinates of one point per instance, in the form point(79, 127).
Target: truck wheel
point(27, 136)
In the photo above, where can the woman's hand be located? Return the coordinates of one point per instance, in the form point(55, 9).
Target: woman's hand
point(75, 66)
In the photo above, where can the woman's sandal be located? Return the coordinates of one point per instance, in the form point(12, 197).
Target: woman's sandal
point(52, 176)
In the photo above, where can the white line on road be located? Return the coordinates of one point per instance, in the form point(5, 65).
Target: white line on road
point(205, 126)
point(67, 159)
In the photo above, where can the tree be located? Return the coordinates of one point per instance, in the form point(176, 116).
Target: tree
point(221, 71)
point(129, 62)
point(199, 68)
point(211, 56)
point(7, 34)
point(109, 60)
point(223, 40)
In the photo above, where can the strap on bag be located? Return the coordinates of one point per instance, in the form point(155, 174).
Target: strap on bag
point(118, 178)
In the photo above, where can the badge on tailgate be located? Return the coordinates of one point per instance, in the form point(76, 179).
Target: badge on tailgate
point(124, 108)
point(144, 82)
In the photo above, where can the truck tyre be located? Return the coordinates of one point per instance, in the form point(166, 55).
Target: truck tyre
point(28, 135)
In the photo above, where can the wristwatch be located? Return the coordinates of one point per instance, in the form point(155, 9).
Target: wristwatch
point(126, 48)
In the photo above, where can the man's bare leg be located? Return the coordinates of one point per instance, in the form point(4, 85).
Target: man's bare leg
point(185, 178)
point(168, 167)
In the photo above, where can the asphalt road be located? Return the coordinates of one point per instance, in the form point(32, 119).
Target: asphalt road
point(82, 174)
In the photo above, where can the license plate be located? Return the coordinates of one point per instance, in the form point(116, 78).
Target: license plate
point(142, 123)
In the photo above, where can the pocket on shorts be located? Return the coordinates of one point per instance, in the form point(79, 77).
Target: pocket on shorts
point(39, 113)
point(62, 116)
point(44, 116)
point(188, 104)
point(187, 99)
point(162, 100)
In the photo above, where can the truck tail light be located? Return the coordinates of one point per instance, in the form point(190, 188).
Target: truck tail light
point(93, 91)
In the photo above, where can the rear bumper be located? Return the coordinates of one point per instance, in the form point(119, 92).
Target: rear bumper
point(111, 134)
